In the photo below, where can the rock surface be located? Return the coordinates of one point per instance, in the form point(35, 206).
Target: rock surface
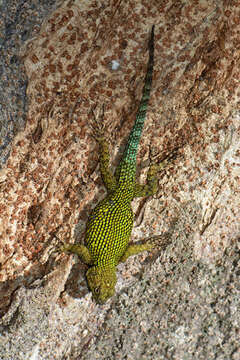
point(60, 60)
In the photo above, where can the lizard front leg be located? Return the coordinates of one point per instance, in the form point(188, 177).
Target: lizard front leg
point(135, 249)
point(159, 242)
point(81, 250)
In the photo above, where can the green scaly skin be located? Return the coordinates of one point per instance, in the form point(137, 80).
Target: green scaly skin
point(110, 224)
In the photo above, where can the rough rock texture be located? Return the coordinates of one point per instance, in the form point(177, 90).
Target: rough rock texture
point(20, 20)
point(179, 303)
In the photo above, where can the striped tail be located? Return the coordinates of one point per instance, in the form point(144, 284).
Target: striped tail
point(128, 163)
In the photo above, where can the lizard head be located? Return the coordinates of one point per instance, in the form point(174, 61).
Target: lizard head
point(101, 282)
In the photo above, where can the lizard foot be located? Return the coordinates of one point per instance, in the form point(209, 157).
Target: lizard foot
point(97, 125)
point(158, 166)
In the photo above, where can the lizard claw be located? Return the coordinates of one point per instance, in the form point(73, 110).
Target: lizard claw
point(98, 126)
point(61, 246)
point(165, 161)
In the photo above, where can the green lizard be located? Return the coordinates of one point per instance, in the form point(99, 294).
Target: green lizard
point(110, 224)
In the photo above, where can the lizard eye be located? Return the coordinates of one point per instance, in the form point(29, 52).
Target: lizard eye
point(97, 290)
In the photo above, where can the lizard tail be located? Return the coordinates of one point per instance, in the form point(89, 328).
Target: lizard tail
point(130, 153)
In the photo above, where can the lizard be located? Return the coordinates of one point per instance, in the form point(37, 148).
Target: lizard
point(110, 224)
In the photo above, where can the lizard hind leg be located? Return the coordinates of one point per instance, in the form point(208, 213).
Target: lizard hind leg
point(151, 187)
point(108, 178)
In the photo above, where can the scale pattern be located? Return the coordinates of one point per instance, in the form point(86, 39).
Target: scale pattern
point(110, 224)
